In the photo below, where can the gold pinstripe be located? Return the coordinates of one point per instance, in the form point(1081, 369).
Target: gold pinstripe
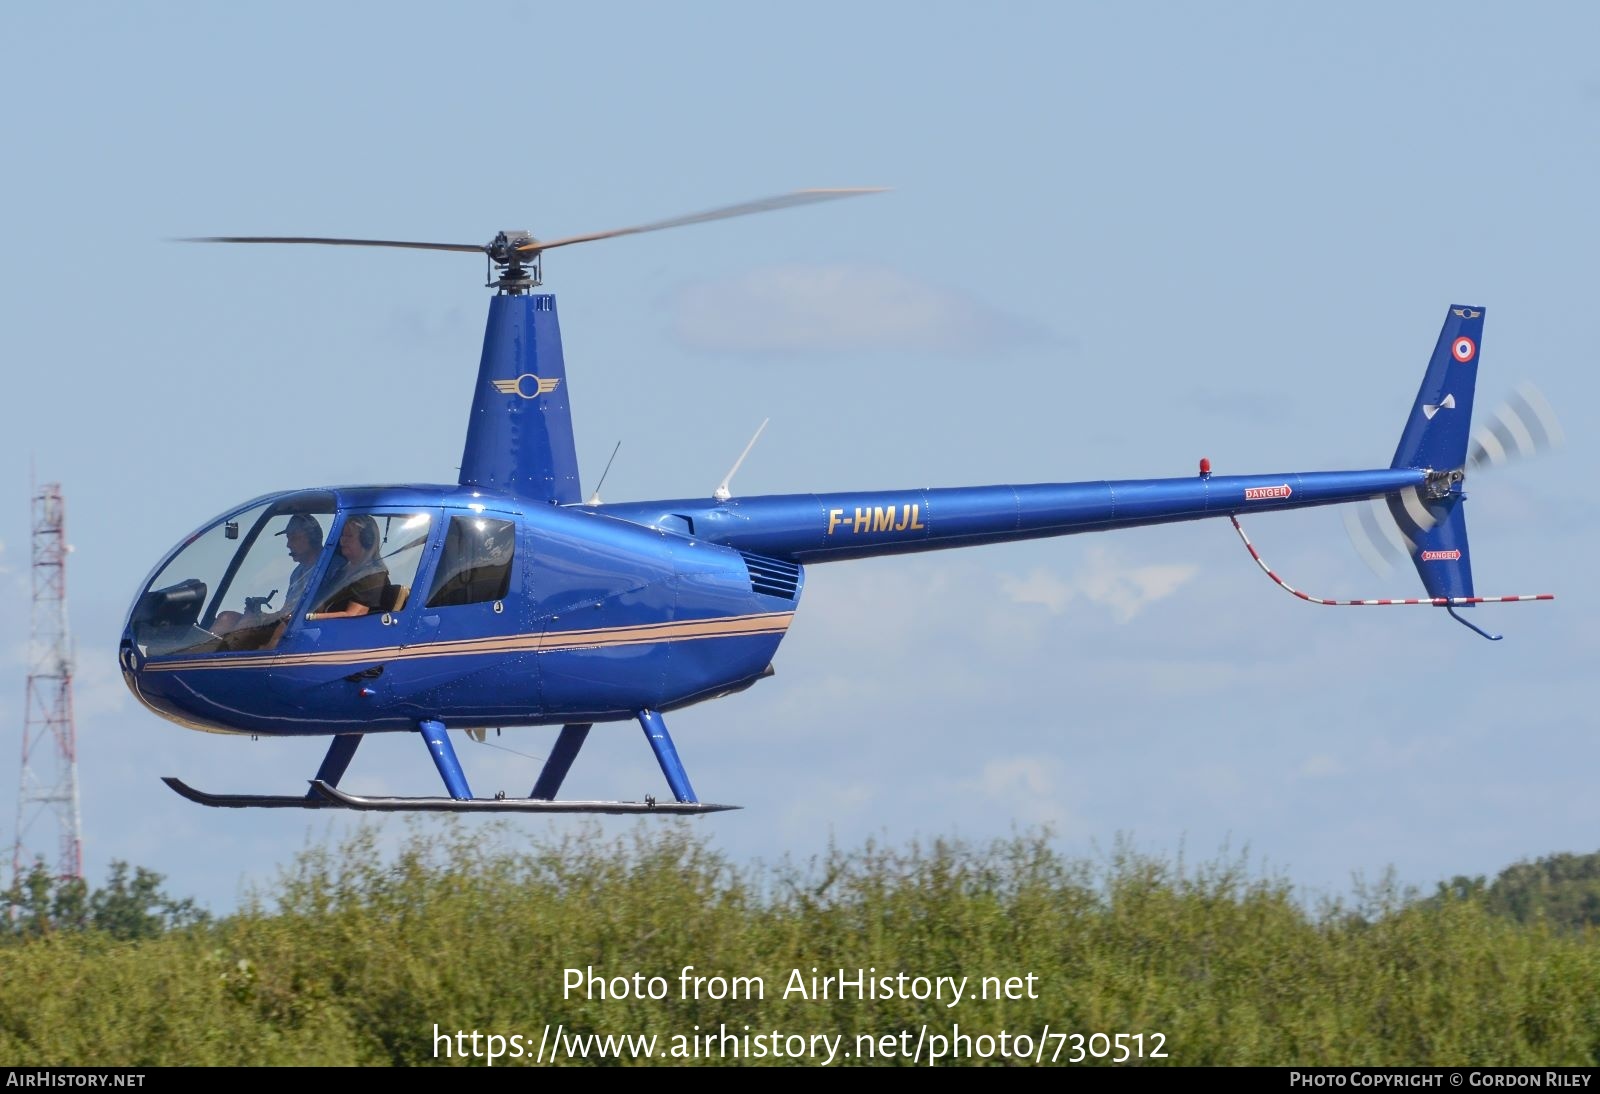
point(737, 626)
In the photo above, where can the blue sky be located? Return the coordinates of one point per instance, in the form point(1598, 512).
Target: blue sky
point(1120, 238)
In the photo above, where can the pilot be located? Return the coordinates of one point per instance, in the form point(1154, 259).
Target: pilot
point(303, 538)
point(304, 541)
point(357, 576)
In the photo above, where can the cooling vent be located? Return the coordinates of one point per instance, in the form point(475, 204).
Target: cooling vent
point(771, 577)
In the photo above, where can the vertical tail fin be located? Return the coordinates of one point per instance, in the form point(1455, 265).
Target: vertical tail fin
point(1436, 438)
point(1441, 418)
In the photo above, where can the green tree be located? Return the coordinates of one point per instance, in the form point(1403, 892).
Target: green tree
point(126, 907)
point(1562, 889)
point(39, 903)
point(136, 907)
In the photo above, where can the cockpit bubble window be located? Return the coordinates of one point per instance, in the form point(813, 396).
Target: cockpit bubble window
point(373, 566)
point(235, 585)
point(476, 564)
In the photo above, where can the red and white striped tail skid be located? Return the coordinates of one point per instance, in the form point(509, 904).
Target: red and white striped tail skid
point(1432, 602)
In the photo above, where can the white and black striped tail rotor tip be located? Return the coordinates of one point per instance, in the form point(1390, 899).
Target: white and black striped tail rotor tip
point(1522, 426)
point(1374, 535)
point(1384, 531)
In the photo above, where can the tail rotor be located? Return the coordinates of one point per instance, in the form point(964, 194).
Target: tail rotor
point(1524, 425)
point(1427, 521)
point(1385, 531)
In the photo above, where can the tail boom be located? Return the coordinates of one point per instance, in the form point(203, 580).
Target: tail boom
point(809, 528)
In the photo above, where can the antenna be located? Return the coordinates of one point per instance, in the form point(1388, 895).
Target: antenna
point(594, 498)
point(49, 781)
point(722, 493)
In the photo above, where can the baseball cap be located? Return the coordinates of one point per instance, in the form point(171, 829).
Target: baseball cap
point(301, 522)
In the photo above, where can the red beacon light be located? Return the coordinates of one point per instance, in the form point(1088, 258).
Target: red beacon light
point(1205, 468)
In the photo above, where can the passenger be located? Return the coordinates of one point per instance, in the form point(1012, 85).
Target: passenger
point(357, 576)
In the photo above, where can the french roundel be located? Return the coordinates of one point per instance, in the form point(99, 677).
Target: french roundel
point(1464, 349)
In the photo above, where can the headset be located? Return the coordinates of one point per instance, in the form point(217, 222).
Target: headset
point(366, 527)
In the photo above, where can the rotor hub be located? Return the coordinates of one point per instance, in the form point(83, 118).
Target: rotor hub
point(520, 270)
point(502, 248)
point(1441, 484)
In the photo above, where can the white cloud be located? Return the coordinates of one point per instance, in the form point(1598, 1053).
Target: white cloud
point(1321, 766)
point(97, 685)
point(1125, 590)
point(827, 806)
point(1028, 786)
point(1016, 775)
point(794, 307)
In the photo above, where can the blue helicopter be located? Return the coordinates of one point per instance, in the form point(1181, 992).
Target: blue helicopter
point(505, 600)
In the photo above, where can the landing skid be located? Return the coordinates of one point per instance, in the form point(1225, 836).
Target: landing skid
point(325, 792)
point(330, 797)
point(335, 796)
point(246, 801)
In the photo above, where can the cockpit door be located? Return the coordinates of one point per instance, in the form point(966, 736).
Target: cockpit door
point(338, 656)
point(473, 620)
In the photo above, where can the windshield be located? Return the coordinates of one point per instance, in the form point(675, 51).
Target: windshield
point(235, 584)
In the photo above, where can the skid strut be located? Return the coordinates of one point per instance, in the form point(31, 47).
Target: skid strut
point(666, 755)
point(334, 763)
point(325, 793)
point(559, 762)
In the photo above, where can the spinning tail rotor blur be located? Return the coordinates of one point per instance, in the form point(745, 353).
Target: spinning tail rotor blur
point(1386, 531)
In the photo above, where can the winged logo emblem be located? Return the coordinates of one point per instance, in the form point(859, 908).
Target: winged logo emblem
point(528, 386)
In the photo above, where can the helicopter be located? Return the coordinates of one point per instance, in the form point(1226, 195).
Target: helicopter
point(507, 600)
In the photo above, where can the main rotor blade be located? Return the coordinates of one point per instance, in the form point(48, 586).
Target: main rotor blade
point(781, 201)
point(474, 248)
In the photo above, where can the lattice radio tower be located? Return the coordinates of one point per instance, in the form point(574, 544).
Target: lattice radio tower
point(49, 737)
